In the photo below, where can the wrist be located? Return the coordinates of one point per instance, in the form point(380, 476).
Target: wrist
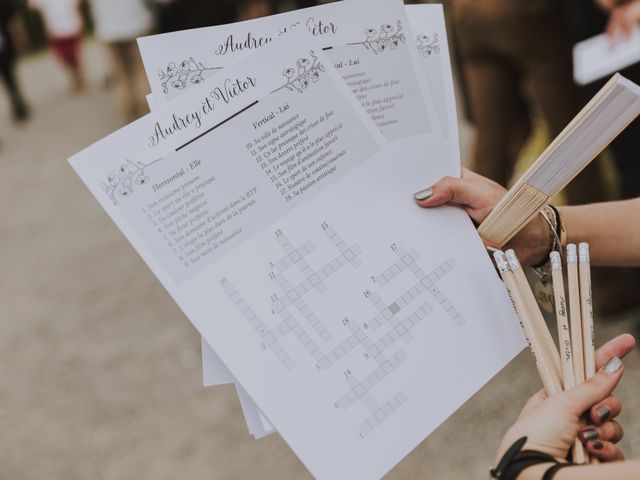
point(535, 472)
point(541, 240)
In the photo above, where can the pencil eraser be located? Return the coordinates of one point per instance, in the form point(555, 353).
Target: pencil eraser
point(556, 260)
point(572, 253)
point(583, 250)
point(514, 263)
point(501, 261)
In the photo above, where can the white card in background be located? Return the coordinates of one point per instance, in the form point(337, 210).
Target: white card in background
point(598, 57)
point(374, 53)
point(429, 32)
point(344, 310)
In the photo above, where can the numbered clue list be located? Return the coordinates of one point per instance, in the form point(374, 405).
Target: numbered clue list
point(204, 200)
point(298, 153)
point(381, 75)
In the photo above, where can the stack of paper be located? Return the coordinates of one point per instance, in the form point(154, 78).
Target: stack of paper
point(270, 191)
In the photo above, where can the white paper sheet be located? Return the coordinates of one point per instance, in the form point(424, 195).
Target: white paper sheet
point(180, 61)
point(344, 310)
point(429, 32)
point(429, 29)
point(336, 25)
point(598, 57)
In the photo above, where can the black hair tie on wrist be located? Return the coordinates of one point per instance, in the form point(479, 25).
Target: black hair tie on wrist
point(516, 460)
point(549, 474)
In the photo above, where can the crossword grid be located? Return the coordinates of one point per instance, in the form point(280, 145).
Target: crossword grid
point(390, 315)
point(425, 283)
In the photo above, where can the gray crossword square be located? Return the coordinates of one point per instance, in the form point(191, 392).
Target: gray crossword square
point(295, 256)
point(394, 308)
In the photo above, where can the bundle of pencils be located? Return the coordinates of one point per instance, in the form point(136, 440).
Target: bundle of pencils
point(575, 360)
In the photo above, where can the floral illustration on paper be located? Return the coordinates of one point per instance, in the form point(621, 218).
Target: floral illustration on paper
point(427, 45)
point(305, 72)
point(180, 75)
point(120, 183)
point(387, 37)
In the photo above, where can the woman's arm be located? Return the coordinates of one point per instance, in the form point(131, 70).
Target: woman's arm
point(627, 470)
point(612, 230)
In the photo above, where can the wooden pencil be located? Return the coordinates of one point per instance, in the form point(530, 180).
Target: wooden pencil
point(562, 318)
point(586, 304)
point(575, 314)
point(537, 319)
point(564, 337)
point(548, 375)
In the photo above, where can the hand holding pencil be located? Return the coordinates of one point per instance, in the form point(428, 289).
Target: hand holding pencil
point(552, 422)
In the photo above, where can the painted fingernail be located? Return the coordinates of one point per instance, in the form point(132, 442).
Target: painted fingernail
point(589, 434)
point(597, 444)
point(612, 366)
point(423, 195)
point(603, 413)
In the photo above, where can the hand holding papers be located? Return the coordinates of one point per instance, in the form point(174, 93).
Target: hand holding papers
point(283, 226)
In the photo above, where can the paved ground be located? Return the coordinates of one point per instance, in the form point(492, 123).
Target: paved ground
point(99, 371)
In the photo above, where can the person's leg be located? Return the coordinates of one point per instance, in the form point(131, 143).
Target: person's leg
point(546, 60)
point(68, 52)
point(500, 117)
point(7, 73)
point(491, 82)
point(118, 54)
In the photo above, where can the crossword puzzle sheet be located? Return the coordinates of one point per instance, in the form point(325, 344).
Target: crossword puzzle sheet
point(283, 224)
point(177, 61)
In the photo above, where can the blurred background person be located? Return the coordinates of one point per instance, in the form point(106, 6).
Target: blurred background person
point(516, 66)
point(64, 26)
point(174, 15)
point(516, 60)
point(617, 19)
point(8, 61)
point(258, 8)
point(118, 23)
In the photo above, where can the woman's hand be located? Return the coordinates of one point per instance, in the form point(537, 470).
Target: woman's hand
point(551, 424)
point(623, 19)
point(478, 196)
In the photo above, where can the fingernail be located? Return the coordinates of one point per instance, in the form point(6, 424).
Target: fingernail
point(589, 434)
point(597, 444)
point(612, 366)
point(423, 195)
point(603, 413)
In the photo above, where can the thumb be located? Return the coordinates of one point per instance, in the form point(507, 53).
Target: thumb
point(447, 190)
point(597, 388)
